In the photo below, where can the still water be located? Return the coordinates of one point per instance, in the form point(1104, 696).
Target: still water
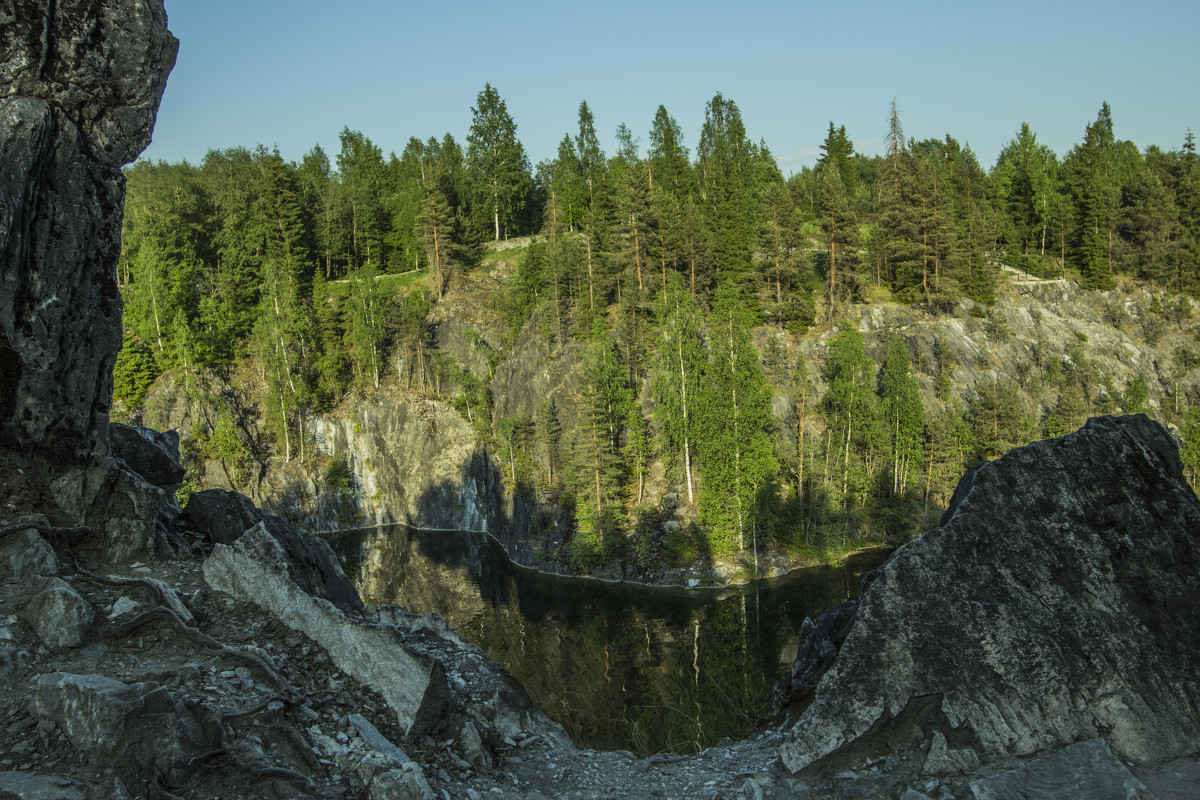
point(618, 665)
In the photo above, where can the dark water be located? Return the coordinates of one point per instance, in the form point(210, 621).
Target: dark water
point(619, 666)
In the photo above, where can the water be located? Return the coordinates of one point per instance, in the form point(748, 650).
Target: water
point(619, 666)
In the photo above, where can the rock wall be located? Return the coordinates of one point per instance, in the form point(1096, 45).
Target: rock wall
point(83, 81)
point(416, 462)
point(1055, 603)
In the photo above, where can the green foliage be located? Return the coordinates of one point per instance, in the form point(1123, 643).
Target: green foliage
point(134, 372)
point(739, 465)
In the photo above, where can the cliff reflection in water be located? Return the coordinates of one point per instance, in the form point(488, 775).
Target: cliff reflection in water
point(618, 665)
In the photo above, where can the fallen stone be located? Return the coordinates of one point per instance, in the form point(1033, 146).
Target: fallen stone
point(58, 615)
point(32, 786)
point(815, 653)
point(471, 745)
point(27, 554)
point(1084, 770)
point(130, 727)
point(151, 454)
point(942, 760)
point(256, 569)
point(123, 605)
point(225, 516)
point(1056, 602)
point(220, 515)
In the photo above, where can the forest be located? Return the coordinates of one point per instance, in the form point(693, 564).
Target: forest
point(660, 263)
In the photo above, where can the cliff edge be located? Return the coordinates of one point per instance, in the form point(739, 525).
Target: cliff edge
point(1055, 603)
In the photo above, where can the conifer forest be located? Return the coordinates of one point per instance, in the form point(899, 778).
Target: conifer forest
point(667, 265)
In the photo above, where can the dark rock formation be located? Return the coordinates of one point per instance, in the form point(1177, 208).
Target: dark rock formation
point(135, 726)
point(152, 454)
point(219, 515)
point(1056, 602)
point(83, 81)
point(815, 654)
point(224, 517)
point(257, 569)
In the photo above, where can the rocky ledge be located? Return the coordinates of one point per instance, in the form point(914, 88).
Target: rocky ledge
point(1054, 606)
point(1055, 603)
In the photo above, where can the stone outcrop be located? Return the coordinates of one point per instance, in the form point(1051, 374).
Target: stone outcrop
point(136, 726)
point(154, 455)
point(224, 517)
point(416, 462)
point(1055, 603)
point(83, 81)
point(255, 569)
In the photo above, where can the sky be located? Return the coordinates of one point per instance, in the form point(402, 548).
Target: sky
point(294, 74)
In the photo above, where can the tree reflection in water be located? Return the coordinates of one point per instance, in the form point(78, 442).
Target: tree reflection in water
point(618, 665)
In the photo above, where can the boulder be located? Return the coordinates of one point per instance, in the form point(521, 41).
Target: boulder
point(220, 515)
point(82, 80)
point(27, 554)
point(1055, 603)
point(58, 615)
point(31, 786)
point(149, 453)
point(815, 653)
point(225, 516)
point(1087, 769)
point(256, 569)
point(131, 727)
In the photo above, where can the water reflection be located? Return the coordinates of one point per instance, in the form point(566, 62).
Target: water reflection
point(618, 665)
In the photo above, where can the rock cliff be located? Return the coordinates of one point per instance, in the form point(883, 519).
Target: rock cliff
point(1055, 603)
point(83, 79)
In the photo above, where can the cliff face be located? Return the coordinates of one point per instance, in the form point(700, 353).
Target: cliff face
point(83, 79)
point(1055, 603)
point(415, 461)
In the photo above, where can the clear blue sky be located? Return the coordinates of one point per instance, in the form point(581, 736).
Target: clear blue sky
point(293, 74)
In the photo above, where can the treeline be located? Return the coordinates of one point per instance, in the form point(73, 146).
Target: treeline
point(662, 262)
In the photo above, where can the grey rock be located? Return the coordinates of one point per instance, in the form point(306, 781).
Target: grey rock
point(913, 794)
point(151, 454)
point(1174, 780)
point(815, 653)
point(127, 726)
point(32, 786)
point(670, 500)
point(225, 516)
point(123, 513)
point(405, 781)
point(1087, 769)
point(58, 615)
point(27, 554)
point(82, 85)
point(471, 745)
point(220, 515)
point(256, 569)
point(942, 760)
point(123, 605)
point(1055, 602)
point(396, 784)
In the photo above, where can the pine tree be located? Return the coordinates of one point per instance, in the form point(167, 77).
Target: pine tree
point(837, 223)
point(496, 164)
point(736, 422)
